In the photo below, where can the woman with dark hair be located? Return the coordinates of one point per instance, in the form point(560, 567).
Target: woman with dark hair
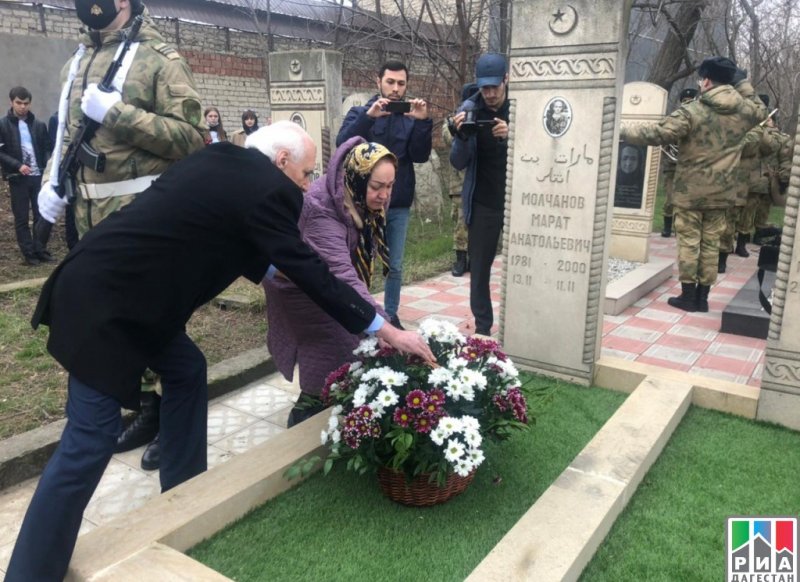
point(344, 221)
point(216, 132)
point(249, 125)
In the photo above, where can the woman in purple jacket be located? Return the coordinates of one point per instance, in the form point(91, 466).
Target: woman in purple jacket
point(344, 220)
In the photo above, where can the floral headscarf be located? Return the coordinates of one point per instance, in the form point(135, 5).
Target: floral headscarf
point(358, 166)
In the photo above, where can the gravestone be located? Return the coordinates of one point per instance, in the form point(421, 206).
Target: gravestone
point(779, 399)
point(306, 87)
point(637, 175)
point(566, 68)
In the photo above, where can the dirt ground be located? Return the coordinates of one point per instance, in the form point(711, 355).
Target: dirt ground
point(33, 385)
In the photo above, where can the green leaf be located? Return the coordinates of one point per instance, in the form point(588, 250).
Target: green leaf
point(326, 468)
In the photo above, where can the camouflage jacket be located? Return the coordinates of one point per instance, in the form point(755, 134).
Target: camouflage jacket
point(159, 120)
point(708, 133)
point(759, 145)
point(784, 157)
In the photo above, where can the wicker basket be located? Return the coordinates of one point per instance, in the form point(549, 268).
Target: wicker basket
point(418, 492)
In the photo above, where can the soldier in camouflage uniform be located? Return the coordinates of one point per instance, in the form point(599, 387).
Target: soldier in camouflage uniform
point(777, 168)
point(708, 133)
point(461, 264)
point(668, 172)
point(154, 121)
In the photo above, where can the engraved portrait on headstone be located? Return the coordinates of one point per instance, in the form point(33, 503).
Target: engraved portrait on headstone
point(298, 119)
point(557, 116)
point(630, 176)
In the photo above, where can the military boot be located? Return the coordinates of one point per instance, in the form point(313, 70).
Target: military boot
point(702, 298)
point(667, 231)
point(741, 245)
point(460, 266)
point(144, 427)
point(723, 262)
point(687, 300)
point(151, 459)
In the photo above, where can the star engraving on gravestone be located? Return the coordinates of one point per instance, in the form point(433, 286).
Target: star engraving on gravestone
point(294, 66)
point(563, 20)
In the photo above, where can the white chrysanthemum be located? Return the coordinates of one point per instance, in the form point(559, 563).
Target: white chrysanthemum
point(449, 425)
point(456, 364)
point(473, 437)
point(454, 390)
point(361, 394)
point(337, 410)
point(454, 451)
point(390, 378)
point(336, 436)
point(323, 436)
point(470, 423)
point(333, 422)
point(475, 456)
point(438, 436)
point(439, 377)
point(440, 331)
point(509, 370)
point(355, 366)
point(472, 378)
point(367, 347)
point(388, 397)
point(377, 409)
point(463, 467)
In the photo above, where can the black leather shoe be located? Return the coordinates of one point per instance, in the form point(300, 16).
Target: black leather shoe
point(31, 261)
point(45, 257)
point(395, 321)
point(460, 266)
point(144, 427)
point(151, 459)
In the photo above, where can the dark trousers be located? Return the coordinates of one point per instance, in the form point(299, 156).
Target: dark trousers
point(50, 528)
point(484, 234)
point(24, 192)
point(70, 229)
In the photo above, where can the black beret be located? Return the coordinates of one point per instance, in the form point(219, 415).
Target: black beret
point(688, 94)
point(764, 99)
point(719, 69)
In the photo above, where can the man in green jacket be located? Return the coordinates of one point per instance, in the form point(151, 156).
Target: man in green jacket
point(708, 133)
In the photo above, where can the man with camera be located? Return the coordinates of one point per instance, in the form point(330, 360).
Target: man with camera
point(481, 146)
point(406, 129)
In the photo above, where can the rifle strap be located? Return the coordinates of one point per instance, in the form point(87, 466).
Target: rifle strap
point(122, 72)
point(762, 298)
point(63, 106)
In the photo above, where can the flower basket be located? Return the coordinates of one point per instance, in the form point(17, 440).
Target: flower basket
point(420, 491)
point(403, 417)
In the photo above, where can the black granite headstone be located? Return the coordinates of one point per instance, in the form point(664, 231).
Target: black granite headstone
point(744, 314)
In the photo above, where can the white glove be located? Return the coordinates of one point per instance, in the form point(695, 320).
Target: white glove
point(96, 103)
point(51, 205)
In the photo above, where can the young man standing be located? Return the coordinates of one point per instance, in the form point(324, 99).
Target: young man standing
point(24, 150)
point(483, 154)
point(409, 136)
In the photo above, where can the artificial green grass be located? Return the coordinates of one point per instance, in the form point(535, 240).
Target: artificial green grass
point(340, 527)
point(715, 466)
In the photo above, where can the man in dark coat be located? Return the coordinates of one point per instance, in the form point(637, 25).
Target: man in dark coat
point(120, 301)
point(24, 150)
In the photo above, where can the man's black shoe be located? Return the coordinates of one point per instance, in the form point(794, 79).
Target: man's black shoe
point(460, 266)
point(144, 427)
point(395, 321)
point(151, 459)
point(45, 257)
point(31, 261)
point(687, 300)
point(741, 245)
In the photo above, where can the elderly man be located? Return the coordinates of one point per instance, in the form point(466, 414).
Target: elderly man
point(120, 300)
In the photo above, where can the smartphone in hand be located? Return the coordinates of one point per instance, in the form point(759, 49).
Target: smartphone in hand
point(398, 107)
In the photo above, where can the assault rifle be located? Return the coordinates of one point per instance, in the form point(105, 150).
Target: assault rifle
point(80, 153)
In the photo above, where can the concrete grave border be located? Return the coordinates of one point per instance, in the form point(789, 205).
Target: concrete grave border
point(583, 502)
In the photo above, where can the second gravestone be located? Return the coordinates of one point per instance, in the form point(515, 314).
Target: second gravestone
point(566, 65)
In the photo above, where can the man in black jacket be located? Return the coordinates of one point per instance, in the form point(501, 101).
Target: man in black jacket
point(24, 150)
point(120, 301)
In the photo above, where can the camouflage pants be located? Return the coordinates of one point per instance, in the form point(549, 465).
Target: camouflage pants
point(727, 241)
point(459, 226)
point(747, 224)
point(761, 215)
point(89, 213)
point(698, 233)
point(669, 209)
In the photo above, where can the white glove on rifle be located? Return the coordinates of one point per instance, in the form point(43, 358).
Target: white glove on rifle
point(96, 103)
point(51, 205)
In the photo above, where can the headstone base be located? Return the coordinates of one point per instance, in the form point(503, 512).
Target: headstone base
point(779, 407)
point(744, 314)
point(627, 290)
